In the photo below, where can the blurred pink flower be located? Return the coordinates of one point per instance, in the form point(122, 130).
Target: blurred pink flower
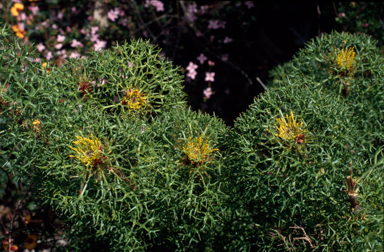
point(99, 45)
point(94, 29)
point(212, 38)
point(73, 9)
point(113, 14)
point(203, 9)
point(129, 64)
point(190, 14)
point(58, 46)
point(202, 58)
point(76, 43)
point(224, 57)
point(21, 26)
point(82, 31)
point(54, 26)
point(191, 67)
point(216, 24)
point(198, 34)
point(44, 24)
point(63, 53)
point(227, 40)
point(207, 93)
point(90, 18)
point(209, 76)
point(40, 47)
point(49, 55)
point(158, 4)
point(22, 16)
point(60, 15)
point(341, 14)
point(74, 55)
point(192, 74)
point(94, 37)
point(211, 63)
point(124, 22)
point(249, 4)
point(365, 24)
point(60, 38)
point(68, 29)
point(213, 24)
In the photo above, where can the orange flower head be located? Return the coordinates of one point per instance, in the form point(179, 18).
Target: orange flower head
point(16, 9)
point(31, 241)
point(19, 32)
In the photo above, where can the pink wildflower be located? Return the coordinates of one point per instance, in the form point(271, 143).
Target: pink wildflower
point(203, 9)
point(63, 53)
point(207, 93)
point(33, 9)
point(22, 16)
point(224, 57)
point(60, 38)
point(202, 58)
point(60, 15)
point(191, 67)
point(49, 55)
point(74, 55)
point(227, 40)
point(113, 14)
point(209, 76)
point(342, 14)
point(58, 46)
point(249, 4)
point(40, 47)
point(94, 29)
point(99, 45)
point(192, 74)
point(211, 63)
point(365, 24)
point(76, 43)
point(213, 24)
point(158, 4)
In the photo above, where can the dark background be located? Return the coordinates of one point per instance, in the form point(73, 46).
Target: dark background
point(275, 32)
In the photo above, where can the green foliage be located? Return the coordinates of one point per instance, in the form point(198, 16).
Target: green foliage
point(286, 188)
point(108, 143)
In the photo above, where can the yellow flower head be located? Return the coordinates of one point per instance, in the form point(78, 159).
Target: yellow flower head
point(44, 66)
point(31, 241)
point(289, 129)
point(345, 58)
point(36, 125)
point(134, 99)
point(88, 151)
point(19, 32)
point(16, 9)
point(197, 150)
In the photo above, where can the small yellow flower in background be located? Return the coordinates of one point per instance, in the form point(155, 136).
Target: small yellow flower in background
point(31, 241)
point(44, 65)
point(16, 9)
point(19, 32)
point(36, 125)
point(345, 58)
point(197, 150)
point(88, 151)
point(289, 129)
point(134, 99)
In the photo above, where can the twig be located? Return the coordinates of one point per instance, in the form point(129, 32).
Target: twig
point(261, 83)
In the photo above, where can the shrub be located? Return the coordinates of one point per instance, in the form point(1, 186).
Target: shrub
point(290, 176)
point(108, 142)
